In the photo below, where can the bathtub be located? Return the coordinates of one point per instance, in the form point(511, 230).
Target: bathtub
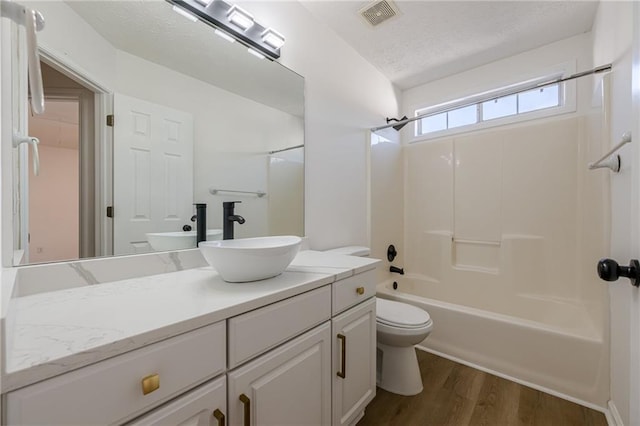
point(554, 347)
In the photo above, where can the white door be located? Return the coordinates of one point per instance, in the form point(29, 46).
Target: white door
point(152, 173)
point(287, 386)
point(354, 361)
point(203, 406)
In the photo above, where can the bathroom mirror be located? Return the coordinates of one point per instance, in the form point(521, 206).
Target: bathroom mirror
point(196, 119)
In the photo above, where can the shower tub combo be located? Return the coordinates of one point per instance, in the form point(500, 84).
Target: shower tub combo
point(554, 347)
point(502, 252)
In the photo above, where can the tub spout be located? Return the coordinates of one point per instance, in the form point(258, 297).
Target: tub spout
point(396, 270)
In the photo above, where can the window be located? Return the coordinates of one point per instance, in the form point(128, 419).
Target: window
point(469, 114)
point(463, 116)
point(536, 99)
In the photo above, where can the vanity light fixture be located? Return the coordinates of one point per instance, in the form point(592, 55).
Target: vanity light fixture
point(184, 13)
point(224, 35)
point(240, 17)
point(273, 38)
point(231, 21)
point(256, 53)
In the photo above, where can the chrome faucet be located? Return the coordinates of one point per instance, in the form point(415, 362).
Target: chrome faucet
point(228, 217)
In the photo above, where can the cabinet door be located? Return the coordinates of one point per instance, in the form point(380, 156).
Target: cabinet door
point(203, 406)
point(354, 361)
point(290, 385)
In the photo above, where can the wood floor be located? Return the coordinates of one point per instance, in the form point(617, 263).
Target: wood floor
point(457, 395)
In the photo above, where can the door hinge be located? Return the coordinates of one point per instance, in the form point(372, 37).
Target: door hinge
point(109, 211)
point(110, 120)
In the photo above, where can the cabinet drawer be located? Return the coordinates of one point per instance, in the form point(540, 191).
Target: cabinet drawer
point(257, 331)
point(111, 391)
point(353, 290)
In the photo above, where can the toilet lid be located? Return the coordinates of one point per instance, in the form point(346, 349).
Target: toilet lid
point(398, 314)
point(352, 251)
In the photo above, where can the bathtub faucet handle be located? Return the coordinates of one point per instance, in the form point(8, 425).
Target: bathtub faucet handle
point(396, 270)
point(391, 253)
point(609, 270)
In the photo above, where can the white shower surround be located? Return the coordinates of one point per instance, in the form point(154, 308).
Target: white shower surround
point(503, 229)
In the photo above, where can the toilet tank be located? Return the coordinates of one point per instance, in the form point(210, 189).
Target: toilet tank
point(351, 251)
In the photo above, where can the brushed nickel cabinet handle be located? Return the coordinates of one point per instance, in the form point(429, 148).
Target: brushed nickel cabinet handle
point(343, 358)
point(150, 383)
point(219, 416)
point(247, 409)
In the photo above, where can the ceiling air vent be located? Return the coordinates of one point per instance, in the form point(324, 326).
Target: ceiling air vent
point(378, 12)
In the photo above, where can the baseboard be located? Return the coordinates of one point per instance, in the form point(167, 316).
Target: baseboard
point(355, 421)
point(613, 415)
point(561, 395)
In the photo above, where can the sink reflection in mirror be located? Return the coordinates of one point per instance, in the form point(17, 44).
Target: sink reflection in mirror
point(191, 112)
point(163, 241)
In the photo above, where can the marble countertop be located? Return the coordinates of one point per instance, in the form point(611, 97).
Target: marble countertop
point(49, 333)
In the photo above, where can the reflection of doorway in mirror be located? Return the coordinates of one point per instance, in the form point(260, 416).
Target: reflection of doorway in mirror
point(60, 208)
point(53, 195)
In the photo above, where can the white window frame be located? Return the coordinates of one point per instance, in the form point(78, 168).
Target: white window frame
point(567, 95)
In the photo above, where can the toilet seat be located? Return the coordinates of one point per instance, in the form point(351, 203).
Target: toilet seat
point(401, 315)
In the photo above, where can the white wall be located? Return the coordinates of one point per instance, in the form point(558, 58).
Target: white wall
point(344, 96)
point(54, 213)
point(90, 54)
point(612, 42)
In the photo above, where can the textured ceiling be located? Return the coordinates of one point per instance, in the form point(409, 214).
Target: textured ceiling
point(433, 39)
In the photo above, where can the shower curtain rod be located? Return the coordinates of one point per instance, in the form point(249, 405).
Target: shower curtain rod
point(286, 149)
point(602, 68)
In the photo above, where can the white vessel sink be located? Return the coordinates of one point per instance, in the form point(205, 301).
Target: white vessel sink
point(250, 259)
point(162, 241)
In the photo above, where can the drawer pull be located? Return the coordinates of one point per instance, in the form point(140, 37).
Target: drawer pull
point(343, 359)
point(247, 409)
point(360, 290)
point(150, 383)
point(219, 416)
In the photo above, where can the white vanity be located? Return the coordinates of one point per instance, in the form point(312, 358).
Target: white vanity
point(186, 346)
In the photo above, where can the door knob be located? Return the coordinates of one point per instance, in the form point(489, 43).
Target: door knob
point(609, 270)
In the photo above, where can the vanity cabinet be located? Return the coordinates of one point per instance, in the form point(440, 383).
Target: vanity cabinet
point(203, 406)
point(308, 359)
point(354, 362)
point(287, 386)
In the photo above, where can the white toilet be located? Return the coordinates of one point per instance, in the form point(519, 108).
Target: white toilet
point(399, 327)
